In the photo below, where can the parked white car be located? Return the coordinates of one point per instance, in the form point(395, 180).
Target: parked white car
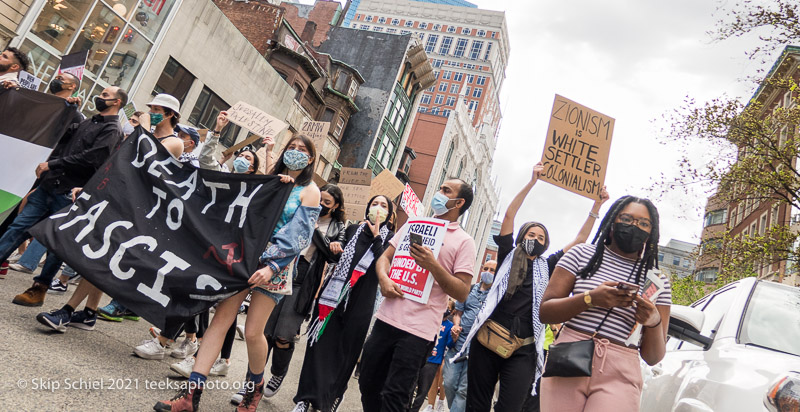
point(737, 349)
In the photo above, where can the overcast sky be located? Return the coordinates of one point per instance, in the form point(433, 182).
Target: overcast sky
point(631, 60)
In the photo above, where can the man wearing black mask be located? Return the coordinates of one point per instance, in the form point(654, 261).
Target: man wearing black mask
point(82, 150)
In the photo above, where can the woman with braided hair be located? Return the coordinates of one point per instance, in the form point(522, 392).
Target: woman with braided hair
point(594, 290)
point(513, 304)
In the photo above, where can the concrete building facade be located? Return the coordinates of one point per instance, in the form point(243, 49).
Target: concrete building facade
point(677, 258)
point(11, 14)
point(753, 217)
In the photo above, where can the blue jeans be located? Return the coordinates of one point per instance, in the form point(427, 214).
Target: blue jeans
point(33, 254)
point(454, 381)
point(41, 204)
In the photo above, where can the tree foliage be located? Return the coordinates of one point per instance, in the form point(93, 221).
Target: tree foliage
point(776, 22)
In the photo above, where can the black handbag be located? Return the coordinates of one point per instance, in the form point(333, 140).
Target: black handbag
point(572, 359)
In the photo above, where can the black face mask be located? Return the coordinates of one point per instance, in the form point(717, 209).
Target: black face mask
point(325, 210)
point(56, 86)
point(533, 247)
point(629, 238)
point(100, 103)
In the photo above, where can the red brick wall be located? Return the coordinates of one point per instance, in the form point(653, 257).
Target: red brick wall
point(257, 20)
point(322, 14)
point(425, 138)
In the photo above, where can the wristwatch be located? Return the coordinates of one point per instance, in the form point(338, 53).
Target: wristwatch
point(588, 299)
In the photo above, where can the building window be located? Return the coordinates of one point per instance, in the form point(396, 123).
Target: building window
point(458, 76)
point(686, 262)
point(446, 113)
point(422, 109)
point(409, 23)
point(328, 114)
point(175, 80)
point(473, 105)
point(488, 49)
point(481, 80)
point(451, 101)
point(369, 18)
point(468, 90)
point(423, 25)
point(395, 22)
point(439, 99)
point(358, 17)
point(660, 256)
point(454, 87)
point(707, 275)
point(469, 66)
point(382, 20)
point(354, 25)
point(446, 74)
point(470, 78)
point(435, 111)
point(430, 45)
point(676, 261)
point(337, 132)
point(443, 86)
point(475, 51)
point(426, 99)
point(391, 31)
point(436, 63)
point(716, 217)
point(404, 32)
point(481, 33)
point(205, 112)
point(298, 92)
point(477, 92)
point(451, 29)
point(437, 27)
point(466, 31)
point(494, 33)
point(377, 28)
point(461, 46)
point(364, 27)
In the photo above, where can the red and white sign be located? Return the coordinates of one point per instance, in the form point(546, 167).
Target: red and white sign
point(410, 202)
point(415, 281)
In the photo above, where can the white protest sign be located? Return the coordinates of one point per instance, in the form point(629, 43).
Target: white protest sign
point(255, 120)
point(410, 202)
point(653, 286)
point(29, 81)
point(415, 281)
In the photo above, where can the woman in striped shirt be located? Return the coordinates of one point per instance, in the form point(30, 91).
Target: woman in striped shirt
point(588, 286)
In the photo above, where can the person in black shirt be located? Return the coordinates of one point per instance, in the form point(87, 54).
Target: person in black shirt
point(511, 306)
point(82, 150)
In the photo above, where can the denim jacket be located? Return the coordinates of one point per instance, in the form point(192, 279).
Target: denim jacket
point(291, 239)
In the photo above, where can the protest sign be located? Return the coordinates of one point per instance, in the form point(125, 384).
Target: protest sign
point(355, 183)
point(576, 148)
point(386, 184)
point(252, 138)
point(654, 284)
point(39, 122)
point(415, 281)
point(165, 239)
point(28, 81)
point(410, 202)
point(316, 131)
point(74, 63)
point(255, 120)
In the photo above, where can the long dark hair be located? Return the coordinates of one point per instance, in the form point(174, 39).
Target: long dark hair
point(308, 172)
point(256, 160)
point(338, 197)
point(389, 222)
point(603, 239)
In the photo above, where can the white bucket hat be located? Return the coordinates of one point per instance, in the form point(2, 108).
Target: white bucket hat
point(165, 100)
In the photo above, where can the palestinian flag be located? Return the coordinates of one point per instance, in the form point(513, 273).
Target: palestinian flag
point(31, 123)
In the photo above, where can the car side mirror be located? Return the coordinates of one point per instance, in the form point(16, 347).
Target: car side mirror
point(685, 324)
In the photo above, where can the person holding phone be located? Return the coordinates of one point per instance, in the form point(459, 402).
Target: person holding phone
point(598, 281)
point(343, 311)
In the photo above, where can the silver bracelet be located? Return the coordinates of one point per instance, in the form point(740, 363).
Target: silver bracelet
point(594, 215)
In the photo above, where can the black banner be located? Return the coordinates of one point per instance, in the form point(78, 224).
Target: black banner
point(164, 238)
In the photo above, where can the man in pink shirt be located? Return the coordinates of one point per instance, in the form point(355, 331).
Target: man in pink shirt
point(404, 332)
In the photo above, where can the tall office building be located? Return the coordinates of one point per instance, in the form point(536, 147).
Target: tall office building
point(454, 133)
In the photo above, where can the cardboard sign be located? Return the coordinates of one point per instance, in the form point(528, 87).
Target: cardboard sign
point(576, 149)
point(28, 81)
point(316, 131)
point(386, 184)
point(250, 139)
point(351, 175)
point(415, 281)
point(355, 200)
point(410, 202)
point(255, 120)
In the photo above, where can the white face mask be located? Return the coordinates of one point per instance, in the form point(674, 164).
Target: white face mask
point(127, 128)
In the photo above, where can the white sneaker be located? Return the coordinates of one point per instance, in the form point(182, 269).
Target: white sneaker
point(184, 367)
point(273, 386)
point(302, 407)
point(150, 349)
point(428, 408)
point(14, 258)
point(240, 332)
point(185, 348)
point(440, 407)
point(220, 367)
point(238, 396)
point(19, 268)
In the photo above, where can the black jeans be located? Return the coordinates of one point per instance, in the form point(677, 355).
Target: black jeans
point(426, 377)
point(281, 357)
point(390, 364)
point(515, 373)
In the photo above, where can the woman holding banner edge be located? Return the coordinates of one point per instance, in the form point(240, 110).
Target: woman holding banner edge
point(513, 304)
point(292, 234)
point(343, 312)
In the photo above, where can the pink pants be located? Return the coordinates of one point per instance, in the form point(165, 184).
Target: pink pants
point(615, 384)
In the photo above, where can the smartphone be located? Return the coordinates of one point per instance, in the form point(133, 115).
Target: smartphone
point(631, 288)
point(415, 238)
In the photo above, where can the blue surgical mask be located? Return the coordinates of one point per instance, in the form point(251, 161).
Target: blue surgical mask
point(241, 165)
point(487, 278)
point(439, 204)
point(156, 118)
point(295, 159)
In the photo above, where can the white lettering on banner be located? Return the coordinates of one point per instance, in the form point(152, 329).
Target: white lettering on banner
point(190, 184)
point(153, 150)
point(175, 204)
point(154, 292)
point(160, 194)
point(163, 163)
point(243, 201)
point(206, 280)
point(91, 216)
point(213, 186)
point(73, 208)
point(92, 254)
point(148, 241)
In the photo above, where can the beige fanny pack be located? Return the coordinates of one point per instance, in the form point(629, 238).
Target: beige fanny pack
point(500, 340)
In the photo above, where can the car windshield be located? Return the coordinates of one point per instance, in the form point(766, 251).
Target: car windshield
point(772, 319)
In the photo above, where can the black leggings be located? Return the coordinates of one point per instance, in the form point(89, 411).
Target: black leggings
point(486, 367)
